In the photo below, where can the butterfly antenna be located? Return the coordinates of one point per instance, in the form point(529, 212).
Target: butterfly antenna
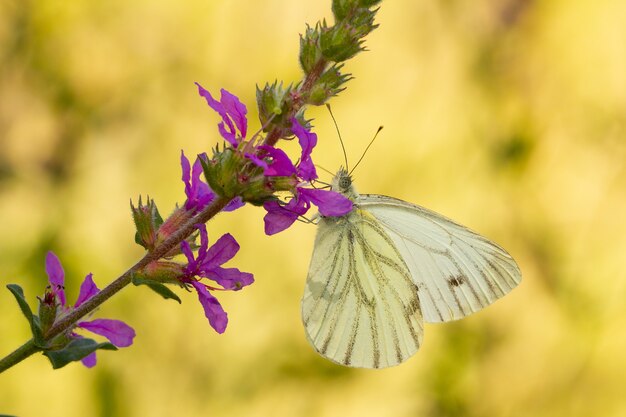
point(365, 151)
point(345, 156)
point(324, 169)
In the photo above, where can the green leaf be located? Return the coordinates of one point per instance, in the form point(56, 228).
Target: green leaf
point(76, 350)
point(157, 287)
point(33, 320)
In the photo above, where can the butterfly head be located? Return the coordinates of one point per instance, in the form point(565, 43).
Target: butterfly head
point(342, 183)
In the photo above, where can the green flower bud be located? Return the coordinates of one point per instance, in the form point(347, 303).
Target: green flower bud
point(163, 272)
point(329, 84)
point(310, 52)
point(147, 221)
point(368, 3)
point(174, 222)
point(338, 42)
point(341, 8)
point(274, 102)
point(47, 310)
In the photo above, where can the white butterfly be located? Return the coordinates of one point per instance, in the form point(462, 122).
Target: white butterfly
point(381, 270)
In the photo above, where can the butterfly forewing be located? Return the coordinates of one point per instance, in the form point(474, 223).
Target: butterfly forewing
point(457, 271)
point(360, 306)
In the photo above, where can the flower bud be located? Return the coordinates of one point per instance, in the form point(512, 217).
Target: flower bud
point(263, 189)
point(310, 53)
point(48, 309)
point(179, 217)
point(274, 102)
point(147, 221)
point(328, 84)
point(341, 8)
point(338, 43)
point(164, 272)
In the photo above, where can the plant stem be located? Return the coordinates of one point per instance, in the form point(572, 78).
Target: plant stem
point(94, 302)
point(18, 355)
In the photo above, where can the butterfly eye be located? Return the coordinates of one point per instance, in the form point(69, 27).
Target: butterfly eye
point(345, 183)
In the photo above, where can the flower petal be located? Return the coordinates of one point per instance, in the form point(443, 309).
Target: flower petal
point(330, 203)
point(280, 164)
point(229, 278)
point(198, 193)
point(87, 290)
point(220, 252)
point(186, 167)
point(234, 204)
point(90, 360)
point(236, 110)
point(56, 275)
point(307, 140)
point(279, 217)
point(226, 127)
point(212, 308)
point(118, 332)
point(185, 248)
point(204, 240)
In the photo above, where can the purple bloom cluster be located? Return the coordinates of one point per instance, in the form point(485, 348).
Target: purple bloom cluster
point(208, 264)
point(276, 163)
point(117, 332)
point(280, 216)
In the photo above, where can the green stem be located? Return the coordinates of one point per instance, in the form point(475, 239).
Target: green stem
point(18, 355)
point(94, 302)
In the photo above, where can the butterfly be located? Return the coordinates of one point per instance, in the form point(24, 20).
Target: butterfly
point(382, 270)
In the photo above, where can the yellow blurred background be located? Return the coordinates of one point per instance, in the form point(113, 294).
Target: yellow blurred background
point(506, 115)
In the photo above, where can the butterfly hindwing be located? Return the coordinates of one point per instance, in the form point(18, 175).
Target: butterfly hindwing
point(360, 306)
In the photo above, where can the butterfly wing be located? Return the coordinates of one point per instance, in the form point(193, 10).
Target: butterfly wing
point(360, 306)
point(457, 271)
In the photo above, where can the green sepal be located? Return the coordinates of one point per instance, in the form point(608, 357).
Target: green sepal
point(368, 3)
point(47, 313)
point(147, 221)
point(341, 8)
point(329, 84)
point(33, 320)
point(274, 102)
point(338, 42)
point(75, 350)
point(310, 52)
point(155, 286)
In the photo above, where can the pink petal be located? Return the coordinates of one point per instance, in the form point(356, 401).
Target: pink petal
point(229, 278)
point(330, 203)
point(212, 308)
point(236, 110)
point(186, 250)
point(90, 360)
point(278, 217)
point(118, 332)
point(222, 251)
point(307, 140)
point(87, 290)
point(234, 204)
point(56, 275)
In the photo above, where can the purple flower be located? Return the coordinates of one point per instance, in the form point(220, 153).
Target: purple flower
point(117, 332)
point(280, 217)
point(208, 264)
point(276, 163)
point(199, 194)
point(234, 124)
